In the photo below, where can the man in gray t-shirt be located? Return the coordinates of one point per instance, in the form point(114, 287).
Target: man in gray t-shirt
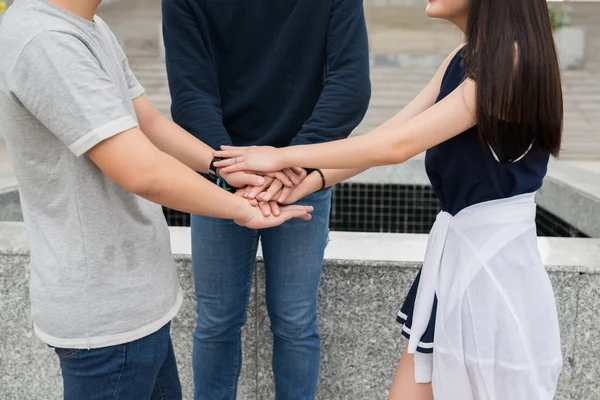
point(93, 156)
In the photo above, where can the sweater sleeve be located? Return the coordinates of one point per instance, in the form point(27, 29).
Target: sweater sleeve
point(196, 102)
point(347, 91)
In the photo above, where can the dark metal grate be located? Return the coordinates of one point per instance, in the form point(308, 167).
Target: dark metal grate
point(550, 225)
point(176, 218)
point(383, 208)
point(358, 207)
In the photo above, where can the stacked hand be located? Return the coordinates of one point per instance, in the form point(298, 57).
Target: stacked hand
point(266, 189)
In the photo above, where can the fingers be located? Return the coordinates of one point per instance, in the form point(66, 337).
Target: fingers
point(247, 179)
point(230, 152)
point(229, 161)
point(265, 208)
point(252, 192)
point(273, 189)
point(283, 194)
point(303, 173)
point(275, 210)
point(225, 163)
point(301, 212)
point(298, 170)
point(233, 167)
point(224, 147)
point(294, 177)
point(281, 177)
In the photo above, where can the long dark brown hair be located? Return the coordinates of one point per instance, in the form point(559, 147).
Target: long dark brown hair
point(510, 53)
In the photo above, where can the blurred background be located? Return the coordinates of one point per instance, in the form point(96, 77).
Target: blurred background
point(406, 49)
point(374, 217)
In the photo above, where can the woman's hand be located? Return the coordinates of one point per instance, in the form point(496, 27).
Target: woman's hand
point(256, 159)
point(241, 179)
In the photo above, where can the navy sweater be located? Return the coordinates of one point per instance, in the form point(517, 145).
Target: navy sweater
point(267, 72)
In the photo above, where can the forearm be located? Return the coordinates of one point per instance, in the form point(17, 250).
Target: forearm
point(177, 142)
point(395, 142)
point(313, 182)
point(334, 176)
point(342, 154)
point(173, 185)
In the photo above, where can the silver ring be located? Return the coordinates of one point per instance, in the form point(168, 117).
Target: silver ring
point(235, 160)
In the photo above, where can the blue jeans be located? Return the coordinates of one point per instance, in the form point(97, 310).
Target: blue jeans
point(141, 370)
point(223, 258)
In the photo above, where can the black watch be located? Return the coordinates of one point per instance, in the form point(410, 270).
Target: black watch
point(212, 170)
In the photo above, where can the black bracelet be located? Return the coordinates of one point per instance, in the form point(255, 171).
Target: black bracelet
point(311, 170)
point(323, 183)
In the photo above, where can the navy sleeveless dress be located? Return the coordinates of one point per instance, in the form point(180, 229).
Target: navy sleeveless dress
point(462, 173)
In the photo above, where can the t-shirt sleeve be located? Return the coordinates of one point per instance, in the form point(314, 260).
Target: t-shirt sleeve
point(63, 86)
point(135, 88)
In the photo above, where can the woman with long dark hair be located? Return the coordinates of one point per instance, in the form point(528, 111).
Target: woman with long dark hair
point(481, 316)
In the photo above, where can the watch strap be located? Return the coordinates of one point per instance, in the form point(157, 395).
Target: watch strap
point(212, 170)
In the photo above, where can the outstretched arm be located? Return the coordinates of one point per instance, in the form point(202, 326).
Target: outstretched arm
point(391, 143)
point(175, 141)
point(97, 124)
point(424, 100)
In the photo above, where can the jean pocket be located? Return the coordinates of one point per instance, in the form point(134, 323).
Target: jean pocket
point(65, 353)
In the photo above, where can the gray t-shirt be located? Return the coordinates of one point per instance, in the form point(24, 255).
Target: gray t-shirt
point(102, 272)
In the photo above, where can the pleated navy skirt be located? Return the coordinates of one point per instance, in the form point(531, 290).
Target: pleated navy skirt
point(405, 317)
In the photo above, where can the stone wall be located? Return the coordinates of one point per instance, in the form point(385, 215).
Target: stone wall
point(365, 279)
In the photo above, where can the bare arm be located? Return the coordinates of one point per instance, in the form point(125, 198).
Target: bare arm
point(424, 100)
point(133, 162)
point(177, 142)
point(385, 145)
point(170, 137)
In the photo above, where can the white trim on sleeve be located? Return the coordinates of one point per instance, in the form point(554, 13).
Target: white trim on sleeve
point(92, 138)
point(136, 91)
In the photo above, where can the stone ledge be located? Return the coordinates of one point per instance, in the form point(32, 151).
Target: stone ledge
point(365, 278)
point(572, 193)
point(573, 255)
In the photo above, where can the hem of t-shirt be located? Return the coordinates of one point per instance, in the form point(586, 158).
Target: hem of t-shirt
point(92, 138)
point(97, 342)
point(136, 91)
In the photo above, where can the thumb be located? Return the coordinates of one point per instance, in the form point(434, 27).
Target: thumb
point(301, 212)
point(251, 180)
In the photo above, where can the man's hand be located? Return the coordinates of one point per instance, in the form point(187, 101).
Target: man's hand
point(266, 207)
point(241, 179)
point(277, 190)
point(272, 192)
point(255, 219)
